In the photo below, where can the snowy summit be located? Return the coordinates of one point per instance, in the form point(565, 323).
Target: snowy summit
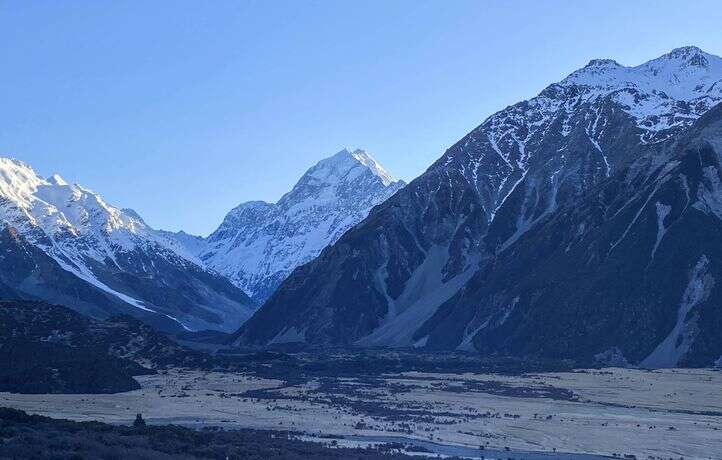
point(258, 244)
point(108, 253)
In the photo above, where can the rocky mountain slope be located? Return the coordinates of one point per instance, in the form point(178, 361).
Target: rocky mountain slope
point(407, 274)
point(625, 275)
point(63, 243)
point(259, 244)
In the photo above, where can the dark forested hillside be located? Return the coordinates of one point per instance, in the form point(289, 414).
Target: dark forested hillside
point(51, 349)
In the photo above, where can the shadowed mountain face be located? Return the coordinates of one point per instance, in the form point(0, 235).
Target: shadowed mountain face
point(437, 265)
point(63, 243)
point(627, 274)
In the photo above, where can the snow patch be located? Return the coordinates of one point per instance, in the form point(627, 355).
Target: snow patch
point(662, 213)
point(467, 343)
point(661, 182)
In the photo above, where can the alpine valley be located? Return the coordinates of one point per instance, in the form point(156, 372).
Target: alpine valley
point(583, 223)
point(549, 288)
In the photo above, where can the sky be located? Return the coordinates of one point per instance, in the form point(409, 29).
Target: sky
point(182, 110)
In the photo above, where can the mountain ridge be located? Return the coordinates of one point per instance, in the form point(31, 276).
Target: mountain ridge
point(109, 251)
point(485, 193)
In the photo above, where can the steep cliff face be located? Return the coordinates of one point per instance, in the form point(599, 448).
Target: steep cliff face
point(384, 281)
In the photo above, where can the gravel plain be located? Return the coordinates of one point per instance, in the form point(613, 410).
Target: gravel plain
point(663, 414)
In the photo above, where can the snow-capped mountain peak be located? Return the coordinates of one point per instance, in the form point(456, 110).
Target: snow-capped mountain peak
point(258, 244)
point(18, 181)
point(689, 55)
point(57, 207)
point(684, 74)
point(346, 162)
point(363, 157)
point(98, 242)
point(57, 179)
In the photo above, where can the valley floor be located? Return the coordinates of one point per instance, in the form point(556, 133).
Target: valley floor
point(611, 412)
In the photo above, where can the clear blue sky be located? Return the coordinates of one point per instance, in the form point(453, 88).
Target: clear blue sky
point(181, 110)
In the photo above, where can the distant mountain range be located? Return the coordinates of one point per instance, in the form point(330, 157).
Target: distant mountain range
point(582, 223)
point(63, 243)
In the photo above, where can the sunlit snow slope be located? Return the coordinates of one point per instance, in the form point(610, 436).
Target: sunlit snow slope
point(64, 243)
point(259, 244)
